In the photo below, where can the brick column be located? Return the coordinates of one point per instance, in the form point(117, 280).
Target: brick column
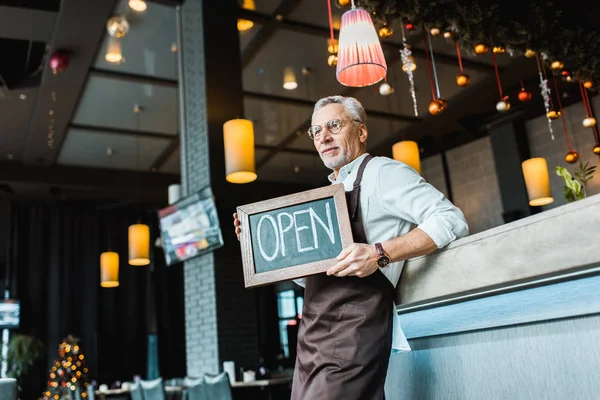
point(210, 76)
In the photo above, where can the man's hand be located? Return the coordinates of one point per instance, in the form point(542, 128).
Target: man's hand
point(236, 224)
point(358, 259)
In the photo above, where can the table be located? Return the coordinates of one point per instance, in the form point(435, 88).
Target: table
point(264, 384)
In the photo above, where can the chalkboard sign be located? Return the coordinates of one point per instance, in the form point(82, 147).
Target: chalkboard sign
point(293, 236)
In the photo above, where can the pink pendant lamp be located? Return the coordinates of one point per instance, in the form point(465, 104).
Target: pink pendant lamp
point(360, 57)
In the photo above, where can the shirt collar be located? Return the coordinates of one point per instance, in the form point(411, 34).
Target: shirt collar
point(347, 169)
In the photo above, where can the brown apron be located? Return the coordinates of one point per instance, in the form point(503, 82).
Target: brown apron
point(345, 334)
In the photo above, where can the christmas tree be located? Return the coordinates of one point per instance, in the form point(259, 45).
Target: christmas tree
point(68, 373)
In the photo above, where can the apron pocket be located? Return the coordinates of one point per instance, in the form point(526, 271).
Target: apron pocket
point(347, 343)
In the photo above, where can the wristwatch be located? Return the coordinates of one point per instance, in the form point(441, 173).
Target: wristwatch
point(383, 259)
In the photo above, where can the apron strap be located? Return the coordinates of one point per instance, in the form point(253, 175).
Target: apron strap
point(356, 187)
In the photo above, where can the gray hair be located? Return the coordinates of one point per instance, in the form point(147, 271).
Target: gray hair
point(351, 106)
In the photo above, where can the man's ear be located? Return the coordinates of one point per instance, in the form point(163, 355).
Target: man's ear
point(363, 133)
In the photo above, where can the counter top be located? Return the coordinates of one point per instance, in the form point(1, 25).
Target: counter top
point(554, 245)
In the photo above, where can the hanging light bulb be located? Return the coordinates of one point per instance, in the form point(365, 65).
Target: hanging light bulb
point(289, 79)
point(537, 181)
point(139, 244)
point(360, 58)
point(407, 152)
point(244, 24)
point(138, 5)
point(238, 137)
point(114, 53)
point(109, 269)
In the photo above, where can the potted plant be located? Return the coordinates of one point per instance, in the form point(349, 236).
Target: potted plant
point(575, 187)
point(23, 352)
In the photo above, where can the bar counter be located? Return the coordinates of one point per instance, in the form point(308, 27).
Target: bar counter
point(512, 312)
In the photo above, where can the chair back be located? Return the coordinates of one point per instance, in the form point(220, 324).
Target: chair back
point(8, 389)
point(195, 389)
point(153, 390)
point(135, 391)
point(218, 387)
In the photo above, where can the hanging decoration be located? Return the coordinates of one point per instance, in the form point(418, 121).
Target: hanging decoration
point(589, 121)
point(462, 79)
point(572, 156)
point(332, 45)
point(551, 114)
point(58, 61)
point(596, 148)
point(360, 57)
point(481, 48)
point(524, 95)
point(385, 31)
point(498, 50)
point(438, 104)
point(385, 89)
point(537, 25)
point(503, 104)
point(408, 66)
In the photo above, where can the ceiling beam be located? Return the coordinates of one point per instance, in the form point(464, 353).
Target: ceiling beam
point(133, 78)
point(121, 131)
point(85, 177)
point(265, 33)
point(301, 27)
point(80, 28)
point(305, 152)
point(311, 103)
point(169, 3)
point(27, 24)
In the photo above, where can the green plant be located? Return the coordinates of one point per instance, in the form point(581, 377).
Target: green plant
point(23, 352)
point(575, 187)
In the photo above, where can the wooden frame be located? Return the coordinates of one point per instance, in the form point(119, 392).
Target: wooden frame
point(251, 277)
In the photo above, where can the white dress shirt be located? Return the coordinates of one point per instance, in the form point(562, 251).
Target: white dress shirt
point(394, 199)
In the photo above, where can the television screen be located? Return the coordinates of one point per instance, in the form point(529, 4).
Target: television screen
point(190, 227)
point(10, 311)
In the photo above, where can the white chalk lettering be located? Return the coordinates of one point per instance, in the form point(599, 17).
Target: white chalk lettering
point(300, 228)
point(259, 236)
point(327, 228)
point(283, 230)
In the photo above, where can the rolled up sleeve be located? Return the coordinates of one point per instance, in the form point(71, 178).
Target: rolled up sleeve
point(405, 194)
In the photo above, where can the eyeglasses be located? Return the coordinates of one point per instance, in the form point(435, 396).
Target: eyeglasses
point(334, 126)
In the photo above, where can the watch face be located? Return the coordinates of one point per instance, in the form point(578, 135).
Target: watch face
point(383, 261)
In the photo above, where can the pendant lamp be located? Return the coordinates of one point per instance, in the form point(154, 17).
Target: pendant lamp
point(109, 269)
point(238, 136)
point(407, 152)
point(139, 245)
point(360, 57)
point(537, 181)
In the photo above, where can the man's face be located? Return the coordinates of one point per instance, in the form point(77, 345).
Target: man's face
point(338, 149)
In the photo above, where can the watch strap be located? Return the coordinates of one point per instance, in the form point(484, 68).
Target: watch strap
point(379, 248)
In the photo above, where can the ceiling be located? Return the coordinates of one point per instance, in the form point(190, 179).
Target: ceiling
point(97, 131)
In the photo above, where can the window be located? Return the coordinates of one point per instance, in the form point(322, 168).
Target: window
point(289, 309)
